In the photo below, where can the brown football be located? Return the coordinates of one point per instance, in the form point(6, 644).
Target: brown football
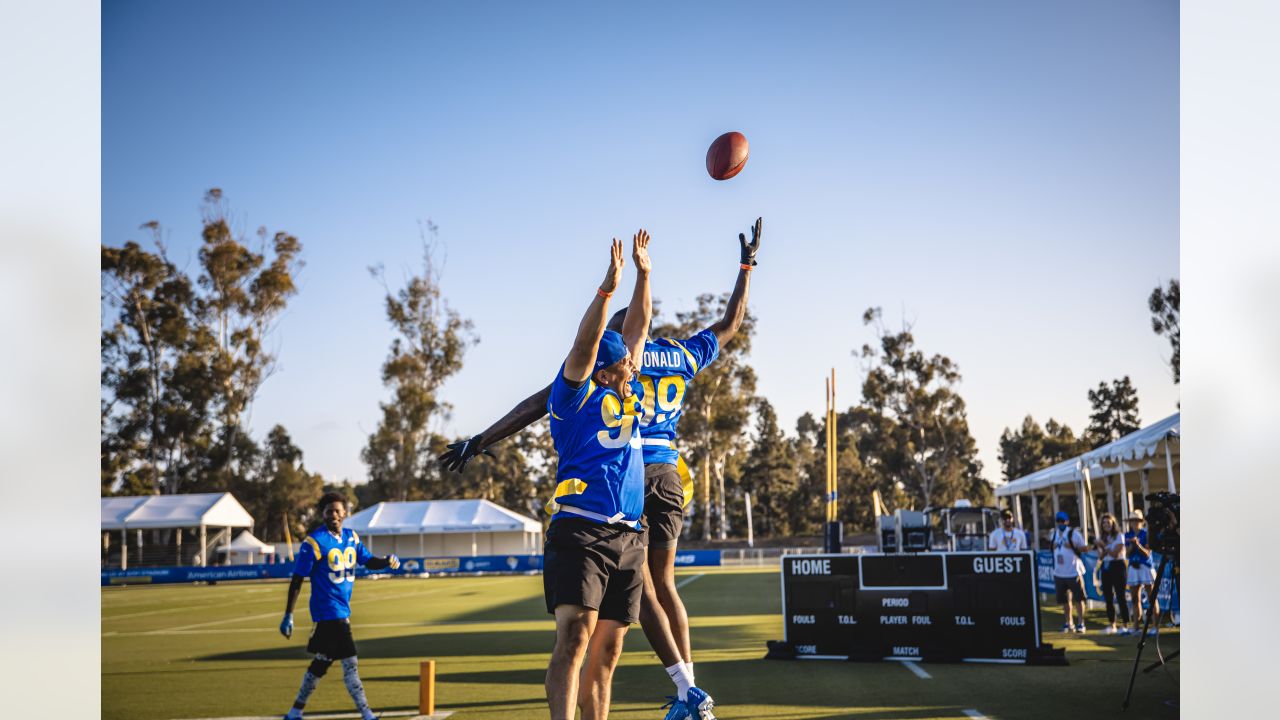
point(727, 155)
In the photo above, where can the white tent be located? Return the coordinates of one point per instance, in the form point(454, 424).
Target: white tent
point(244, 548)
point(1142, 461)
point(173, 512)
point(446, 528)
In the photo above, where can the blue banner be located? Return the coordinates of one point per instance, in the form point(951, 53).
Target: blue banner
point(691, 558)
point(408, 566)
point(1044, 578)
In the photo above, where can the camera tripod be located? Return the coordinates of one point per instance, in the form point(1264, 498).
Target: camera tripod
point(1168, 562)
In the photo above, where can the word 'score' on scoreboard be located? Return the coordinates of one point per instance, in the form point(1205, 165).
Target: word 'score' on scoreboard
point(937, 607)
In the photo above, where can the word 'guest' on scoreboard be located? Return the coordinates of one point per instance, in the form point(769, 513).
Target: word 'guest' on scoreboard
point(945, 607)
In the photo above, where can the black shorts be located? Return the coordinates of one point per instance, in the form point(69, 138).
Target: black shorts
point(1074, 584)
point(663, 505)
point(332, 639)
point(596, 566)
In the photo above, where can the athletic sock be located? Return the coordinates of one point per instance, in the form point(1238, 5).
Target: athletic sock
point(689, 666)
point(309, 681)
point(683, 679)
point(351, 676)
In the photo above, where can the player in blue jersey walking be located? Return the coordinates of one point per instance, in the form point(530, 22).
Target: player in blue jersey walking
point(668, 366)
point(593, 563)
point(329, 556)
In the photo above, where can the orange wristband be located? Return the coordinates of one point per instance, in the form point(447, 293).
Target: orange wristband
point(746, 267)
point(603, 294)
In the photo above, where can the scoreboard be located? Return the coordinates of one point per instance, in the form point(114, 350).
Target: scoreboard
point(945, 606)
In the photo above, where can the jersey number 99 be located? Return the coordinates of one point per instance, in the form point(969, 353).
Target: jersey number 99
point(668, 397)
point(610, 409)
point(342, 564)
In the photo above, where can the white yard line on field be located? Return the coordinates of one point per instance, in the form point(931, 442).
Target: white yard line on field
point(919, 671)
point(343, 716)
point(688, 580)
point(183, 628)
point(165, 611)
point(237, 618)
point(537, 624)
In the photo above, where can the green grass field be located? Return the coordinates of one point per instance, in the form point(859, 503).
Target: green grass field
point(213, 651)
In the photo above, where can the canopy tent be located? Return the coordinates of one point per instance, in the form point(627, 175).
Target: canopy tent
point(1151, 455)
point(245, 546)
point(426, 528)
point(1158, 444)
point(173, 512)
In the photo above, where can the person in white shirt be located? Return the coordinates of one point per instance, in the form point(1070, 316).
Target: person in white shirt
point(1110, 545)
point(1007, 537)
point(1068, 571)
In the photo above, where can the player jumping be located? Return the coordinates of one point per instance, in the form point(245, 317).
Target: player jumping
point(329, 556)
point(594, 559)
point(669, 365)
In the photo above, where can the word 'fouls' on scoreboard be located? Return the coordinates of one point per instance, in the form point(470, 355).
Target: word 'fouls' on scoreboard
point(947, 607)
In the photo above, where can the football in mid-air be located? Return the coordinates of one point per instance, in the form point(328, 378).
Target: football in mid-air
point(727, 155)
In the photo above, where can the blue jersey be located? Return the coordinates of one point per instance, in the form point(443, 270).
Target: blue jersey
point(669, 365)
point(1136, 558)
point(331, 562)
point(600, 473)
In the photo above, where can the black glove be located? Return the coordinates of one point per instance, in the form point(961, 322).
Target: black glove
point(749, 249)
point(461, 452)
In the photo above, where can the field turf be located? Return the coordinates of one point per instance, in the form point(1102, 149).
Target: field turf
point(173, 652)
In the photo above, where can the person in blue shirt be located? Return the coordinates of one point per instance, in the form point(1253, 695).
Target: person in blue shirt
point(1141, 576)
point(593, 559)
point(669, 366)
point(328, 557)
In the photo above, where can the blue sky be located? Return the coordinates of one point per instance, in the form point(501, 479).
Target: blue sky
point(1002, 174)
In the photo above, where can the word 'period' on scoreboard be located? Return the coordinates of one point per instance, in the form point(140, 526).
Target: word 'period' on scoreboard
point(942, 607)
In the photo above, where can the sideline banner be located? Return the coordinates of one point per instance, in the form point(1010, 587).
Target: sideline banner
point(408, 566)
point(1044, 578)
point(691, 558)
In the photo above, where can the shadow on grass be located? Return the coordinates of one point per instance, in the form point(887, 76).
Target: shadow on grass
point(488, 705)
point(712, 595)
point(453, 643)
point(420, 645)
point(752, 682)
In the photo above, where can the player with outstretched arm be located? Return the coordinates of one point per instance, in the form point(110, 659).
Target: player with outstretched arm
point(669, 365)
point(329, 556)
point(593, 560)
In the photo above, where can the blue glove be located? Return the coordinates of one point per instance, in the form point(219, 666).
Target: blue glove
point(393, 562)
point(286, 625)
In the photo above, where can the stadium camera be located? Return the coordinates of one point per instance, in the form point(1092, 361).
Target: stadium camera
point(1163, 514)
point(913, 531)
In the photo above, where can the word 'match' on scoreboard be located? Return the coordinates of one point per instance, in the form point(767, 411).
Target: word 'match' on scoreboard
point(948, 607)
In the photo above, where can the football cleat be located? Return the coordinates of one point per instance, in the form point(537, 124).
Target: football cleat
point(699, 705)
point(677, 712)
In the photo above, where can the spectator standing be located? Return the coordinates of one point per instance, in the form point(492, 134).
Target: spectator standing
point(1114, 575)
point(1007, 538)
point(1068, 571)
point(1141, 576)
